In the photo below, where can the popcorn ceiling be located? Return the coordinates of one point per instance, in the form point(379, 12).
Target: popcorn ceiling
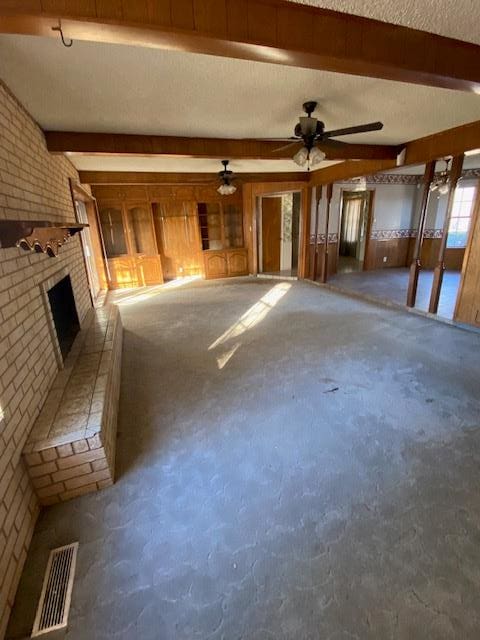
point(458, 19)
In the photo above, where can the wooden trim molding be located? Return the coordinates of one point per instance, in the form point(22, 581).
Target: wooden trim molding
point(272, 31)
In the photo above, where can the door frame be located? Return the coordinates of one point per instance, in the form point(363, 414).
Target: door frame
point(80, 194)
point(257, 223)
point(368, 227)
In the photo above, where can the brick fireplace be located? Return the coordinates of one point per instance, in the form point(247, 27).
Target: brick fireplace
point(33, 185)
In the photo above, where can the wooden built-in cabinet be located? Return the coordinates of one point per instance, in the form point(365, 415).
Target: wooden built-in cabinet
point(129, 241)
point(221, 231)
point(156, 232)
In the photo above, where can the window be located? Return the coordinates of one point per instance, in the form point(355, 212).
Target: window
point(460, 218)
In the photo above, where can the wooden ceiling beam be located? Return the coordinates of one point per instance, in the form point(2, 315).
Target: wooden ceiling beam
point(120, 144)
point(147, 177)
point(451, 142)
point(272, 31)
point(348, 170)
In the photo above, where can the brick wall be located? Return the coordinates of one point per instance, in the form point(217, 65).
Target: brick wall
point(33, 186)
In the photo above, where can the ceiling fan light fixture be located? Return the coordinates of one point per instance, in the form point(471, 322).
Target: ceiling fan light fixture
point(444, 189)
point(226, 189)
point(301, 157)
point(316, 156)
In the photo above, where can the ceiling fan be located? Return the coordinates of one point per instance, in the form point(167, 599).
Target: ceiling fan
point(311, 132)
point(226, 176)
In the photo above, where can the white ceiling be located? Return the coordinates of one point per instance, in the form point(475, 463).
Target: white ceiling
point(122, 89)
point(459, 19)
point(181, 165)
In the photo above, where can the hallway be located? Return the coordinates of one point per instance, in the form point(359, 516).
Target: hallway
point(292, 465)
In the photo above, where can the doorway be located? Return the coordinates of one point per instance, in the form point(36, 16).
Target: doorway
point(278, 234)
point(353, 231)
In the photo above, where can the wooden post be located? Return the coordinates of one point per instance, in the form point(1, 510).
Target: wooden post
point(315, 251)
point(327, 221)
point(455, 173)
point(416, 264)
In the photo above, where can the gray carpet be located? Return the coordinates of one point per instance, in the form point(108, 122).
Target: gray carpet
point(314, 475)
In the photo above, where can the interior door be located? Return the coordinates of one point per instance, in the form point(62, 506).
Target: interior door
point(178, 238)
point(271, 233)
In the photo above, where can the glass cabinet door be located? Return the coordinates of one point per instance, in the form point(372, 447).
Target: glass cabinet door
point(112, 231)
point(233, 226)
point(140, 228)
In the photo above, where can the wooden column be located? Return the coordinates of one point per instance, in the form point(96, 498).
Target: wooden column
point(416, 264)
point(439, 270)
point(318, 198)
point(327, 221)
point(304, 259)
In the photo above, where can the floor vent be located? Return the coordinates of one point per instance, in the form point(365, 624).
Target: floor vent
point(54, 605)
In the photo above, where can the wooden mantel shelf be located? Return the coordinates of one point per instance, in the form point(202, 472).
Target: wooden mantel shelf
point(40, 236)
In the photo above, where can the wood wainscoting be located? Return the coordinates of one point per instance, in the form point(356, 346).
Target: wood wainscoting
point(453, 257)
point(397, 252)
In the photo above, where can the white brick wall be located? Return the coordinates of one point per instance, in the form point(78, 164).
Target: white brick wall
point(33, 186)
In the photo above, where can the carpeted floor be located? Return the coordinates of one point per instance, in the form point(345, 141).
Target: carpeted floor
point(292, 465)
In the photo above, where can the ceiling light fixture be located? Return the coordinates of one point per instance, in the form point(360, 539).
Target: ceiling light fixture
point(309, 157)
point(441, 183)
point(226, 176)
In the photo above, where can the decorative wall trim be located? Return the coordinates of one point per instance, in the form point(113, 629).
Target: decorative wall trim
point(395, 234)
point(407, 178)
point(392, 234)
point(470, 173)
point(332, 238)
point(433, 234)
point(389, 178)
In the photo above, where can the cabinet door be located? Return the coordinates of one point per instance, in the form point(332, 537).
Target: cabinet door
point(149, 270)
point(123, 272)
point(237, 263)
point(233, 225)
point(215, 264)
point(113, 231)
point(178, 239)
point(140, 229)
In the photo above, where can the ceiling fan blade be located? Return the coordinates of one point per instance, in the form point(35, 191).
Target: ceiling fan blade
point(287, 146)
point(362, 128)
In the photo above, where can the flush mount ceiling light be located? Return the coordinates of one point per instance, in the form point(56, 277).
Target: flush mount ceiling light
point(226, 176)
point(311, 132)
point(441, 183)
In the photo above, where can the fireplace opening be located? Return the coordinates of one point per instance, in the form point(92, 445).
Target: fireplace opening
point(64, 312)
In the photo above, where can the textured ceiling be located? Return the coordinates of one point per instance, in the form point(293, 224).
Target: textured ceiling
point(459, 19)
point(114, 88)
